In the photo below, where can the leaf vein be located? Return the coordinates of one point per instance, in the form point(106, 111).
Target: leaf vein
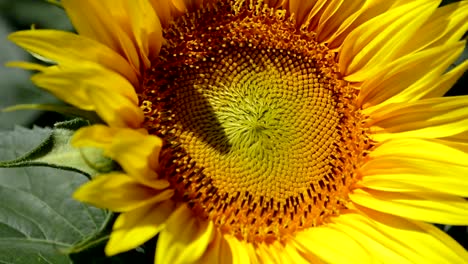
point(27, 218)
point(42, 257)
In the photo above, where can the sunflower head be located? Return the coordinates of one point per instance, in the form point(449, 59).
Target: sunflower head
point(262, 134)
point(281, 131)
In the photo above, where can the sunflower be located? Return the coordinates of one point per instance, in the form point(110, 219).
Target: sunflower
point(253, 131)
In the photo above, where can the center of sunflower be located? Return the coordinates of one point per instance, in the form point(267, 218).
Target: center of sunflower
point(261, 134)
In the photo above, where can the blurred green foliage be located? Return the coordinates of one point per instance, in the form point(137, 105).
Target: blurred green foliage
point(15, 86)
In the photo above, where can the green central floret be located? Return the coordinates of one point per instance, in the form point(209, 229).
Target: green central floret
point(260, 124)
point(252, 118)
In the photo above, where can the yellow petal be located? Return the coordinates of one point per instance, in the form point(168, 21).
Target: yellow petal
point(85, 85)
point(242, 252)
point(303, 9)
point(28, 66)
point(402, 174)
point(371, 9)
point(62, 85)
point(185, 238)
point(332, 245)
point(422, 206)
point(429, 118)
point(164, 11)
point(446, 245)
point(119, 192)
point(91, 24)
point(135, 150)
point(116, 109)
point(338, 21)
point(446, 25)
point(376, 42)
point(277, 252)
point(311, 18)
point(134, 228)
point(462, 137)
point(269, 253)
point(459, 141)
point(87, 76)
point(95, 20)
point(68, 48)
point(274, 3)
point(292, 255)
point(146, 28)
point(138, 154)
point(183, 5)
point(414, 183)
point(95, 136)
point(445, 82)
point(406, 79)
point(325, 14)
point(421, 149)
point(396, 240)
point(218, 251)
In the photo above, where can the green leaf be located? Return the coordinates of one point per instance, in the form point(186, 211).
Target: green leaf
point(39, 220)
point(55, 151)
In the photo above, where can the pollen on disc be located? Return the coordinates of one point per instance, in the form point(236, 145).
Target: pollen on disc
point(261, 133)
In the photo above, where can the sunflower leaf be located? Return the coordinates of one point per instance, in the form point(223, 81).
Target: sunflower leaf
point(55, 150)
point(39, 220)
